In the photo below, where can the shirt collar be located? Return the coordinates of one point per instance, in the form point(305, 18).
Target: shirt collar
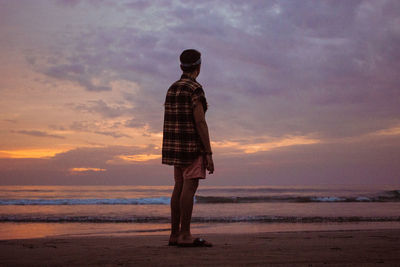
point(184, 76)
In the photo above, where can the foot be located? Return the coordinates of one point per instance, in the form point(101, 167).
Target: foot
point(173, 240)
point(185, 239)
point(197, 242)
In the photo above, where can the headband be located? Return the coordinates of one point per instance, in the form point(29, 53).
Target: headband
point(198, 62)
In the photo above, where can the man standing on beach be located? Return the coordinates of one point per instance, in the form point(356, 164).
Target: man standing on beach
point(186, 146)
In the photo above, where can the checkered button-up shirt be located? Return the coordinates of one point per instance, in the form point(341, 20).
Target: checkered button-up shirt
point(181, 142)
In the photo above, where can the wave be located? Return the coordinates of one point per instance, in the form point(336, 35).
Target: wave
point(387, 196)
point(155, 219)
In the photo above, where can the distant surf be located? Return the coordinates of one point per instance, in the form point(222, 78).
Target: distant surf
point(148, 205)
point(385, 196)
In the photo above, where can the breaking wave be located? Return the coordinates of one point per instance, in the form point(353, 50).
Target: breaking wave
point(386, 196)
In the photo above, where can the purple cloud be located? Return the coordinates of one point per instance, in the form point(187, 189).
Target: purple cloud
point(38, 134)
point(370, 161)
point(93, 127)
point(289, 68)
point(102, 108)
point(133, 123)
point(112, 133)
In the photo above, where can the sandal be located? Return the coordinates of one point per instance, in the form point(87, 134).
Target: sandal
point(198, 242)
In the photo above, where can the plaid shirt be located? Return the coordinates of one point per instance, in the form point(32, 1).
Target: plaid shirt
point(181, 142)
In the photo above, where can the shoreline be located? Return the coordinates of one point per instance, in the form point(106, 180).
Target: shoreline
point(337, 247)
point(29, 230)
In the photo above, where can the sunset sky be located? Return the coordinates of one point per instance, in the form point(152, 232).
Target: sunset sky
point(299, 92)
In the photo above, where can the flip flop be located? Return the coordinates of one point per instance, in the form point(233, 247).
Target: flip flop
point(198, 242)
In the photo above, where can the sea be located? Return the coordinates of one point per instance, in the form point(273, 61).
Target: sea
point(69, 211)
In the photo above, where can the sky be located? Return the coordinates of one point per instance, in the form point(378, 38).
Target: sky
point(299, 92)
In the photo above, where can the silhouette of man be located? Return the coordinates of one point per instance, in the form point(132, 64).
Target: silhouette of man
point(186, 146)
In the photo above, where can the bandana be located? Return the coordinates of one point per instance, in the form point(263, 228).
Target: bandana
point(198, 62)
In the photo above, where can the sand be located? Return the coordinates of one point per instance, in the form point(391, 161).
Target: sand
point(314, 248)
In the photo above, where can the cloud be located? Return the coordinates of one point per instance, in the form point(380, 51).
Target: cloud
point(57, 127)
point(289, 69)
point(138, 158)
point(321, 70)
point(76, 73)
point(10, 120)
point(263, 144)
point(100, 156)
point(371, 160)
point(113, 134)
point(69, 2)
point(104, 109)
point(30, 153)
point(99, 127)
point(81, 170)
point(137, 5)
point(38, 134)
point(133, 123)
point(390, 131)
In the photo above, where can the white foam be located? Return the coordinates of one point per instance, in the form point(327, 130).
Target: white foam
point(327, 199)
point(363, 199)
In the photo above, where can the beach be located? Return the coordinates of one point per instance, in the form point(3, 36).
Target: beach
point(380, 247)
point(248, 225)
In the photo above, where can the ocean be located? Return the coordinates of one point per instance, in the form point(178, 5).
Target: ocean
point(43, 211)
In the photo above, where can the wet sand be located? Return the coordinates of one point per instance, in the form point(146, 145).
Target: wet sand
point(313, 248)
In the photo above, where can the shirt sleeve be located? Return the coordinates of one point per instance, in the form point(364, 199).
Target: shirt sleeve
point(198, 96)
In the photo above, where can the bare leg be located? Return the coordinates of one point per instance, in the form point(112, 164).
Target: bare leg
point(186, 205)
point(175, 211)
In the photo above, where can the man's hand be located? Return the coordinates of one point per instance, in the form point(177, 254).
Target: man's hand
point(209, 163)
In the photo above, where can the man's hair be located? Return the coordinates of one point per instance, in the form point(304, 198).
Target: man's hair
point(190, 60)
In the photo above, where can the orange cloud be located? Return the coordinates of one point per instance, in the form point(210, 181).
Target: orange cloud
point(265, 146)
point(123, 159)
point(139, 157)
point(389, 131)
point(79, 170)
point(30, 153)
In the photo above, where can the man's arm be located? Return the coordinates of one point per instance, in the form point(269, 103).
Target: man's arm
point(202, 130)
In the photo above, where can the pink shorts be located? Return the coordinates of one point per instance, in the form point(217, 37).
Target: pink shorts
point(196, 170)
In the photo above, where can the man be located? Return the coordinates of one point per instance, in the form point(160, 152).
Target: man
point(186, 145)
